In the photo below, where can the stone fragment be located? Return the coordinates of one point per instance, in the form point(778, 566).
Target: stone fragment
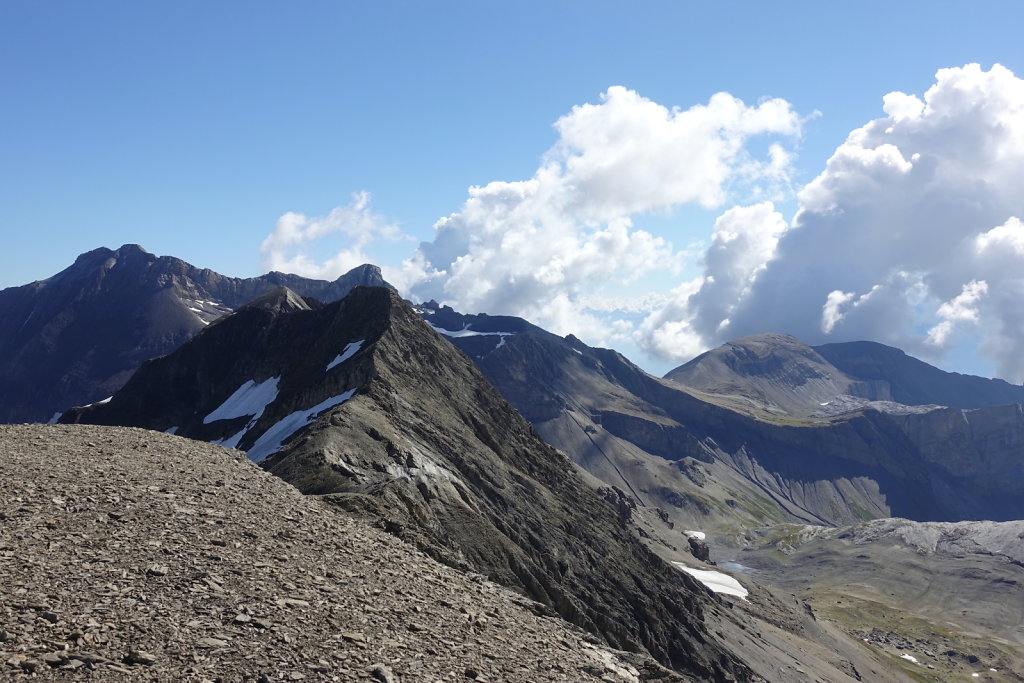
point(140, 657)
point(54, 658)
point(211, 643)
point(382, 673)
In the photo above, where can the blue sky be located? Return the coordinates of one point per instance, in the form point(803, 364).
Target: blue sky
point(192, 127)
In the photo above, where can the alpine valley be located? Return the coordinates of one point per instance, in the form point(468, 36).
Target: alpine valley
point(768, 511)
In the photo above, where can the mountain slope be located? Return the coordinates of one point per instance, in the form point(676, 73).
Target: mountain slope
point(129, 555)
point(366, 407)
point(948, 594)
point(76, 337)
point(700, 459)
point(425, 445)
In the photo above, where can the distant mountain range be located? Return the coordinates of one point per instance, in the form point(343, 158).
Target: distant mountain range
point(763, 429)
point(562, 470)
point(778, 373)
point(77, 337)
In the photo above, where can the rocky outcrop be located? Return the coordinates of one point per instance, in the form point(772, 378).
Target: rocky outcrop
point(76, 337)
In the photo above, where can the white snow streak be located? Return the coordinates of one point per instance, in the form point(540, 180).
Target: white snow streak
point(53, 420)
point(349, 351)
point(232, 441)
point(909, 658)
point(171, 430)
point(696, 534)
point(716, 582)
point(466, 332)
point(272, 439)
point(249, 399)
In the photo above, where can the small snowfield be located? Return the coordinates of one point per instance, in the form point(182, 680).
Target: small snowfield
point(717, 582)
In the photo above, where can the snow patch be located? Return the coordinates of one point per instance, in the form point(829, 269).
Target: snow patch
point(349, 351)
point(232, 441)
point(249, 399)
point(272, 439)
point(171, 430)
point(909, 658)
point(466, 332)
point(717, 582)
point(53, 420)
point(700, 535)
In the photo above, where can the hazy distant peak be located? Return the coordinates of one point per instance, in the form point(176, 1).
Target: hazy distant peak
point(280, 300)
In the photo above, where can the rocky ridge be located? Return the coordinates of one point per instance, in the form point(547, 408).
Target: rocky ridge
point(425, 448)
point(399, 427)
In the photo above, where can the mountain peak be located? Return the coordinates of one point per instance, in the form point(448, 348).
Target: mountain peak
point(129, 249)
point(77, 336)
point(773, 372)
point(365, 270)
point(280, 300)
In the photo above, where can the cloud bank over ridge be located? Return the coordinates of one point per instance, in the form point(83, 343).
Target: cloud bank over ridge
point(538, 247)
point(911, 235)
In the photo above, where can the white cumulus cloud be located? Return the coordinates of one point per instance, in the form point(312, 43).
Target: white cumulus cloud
point(961, 309)
point(297, 239)
point(540, 248)
point(910, 234)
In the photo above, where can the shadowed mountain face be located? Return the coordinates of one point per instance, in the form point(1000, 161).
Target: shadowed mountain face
point(914, 382)
point(742, 448)
point(361, 402)
point(76, 337)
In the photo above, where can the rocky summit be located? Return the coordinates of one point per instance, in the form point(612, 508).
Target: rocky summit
point(76, 337)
